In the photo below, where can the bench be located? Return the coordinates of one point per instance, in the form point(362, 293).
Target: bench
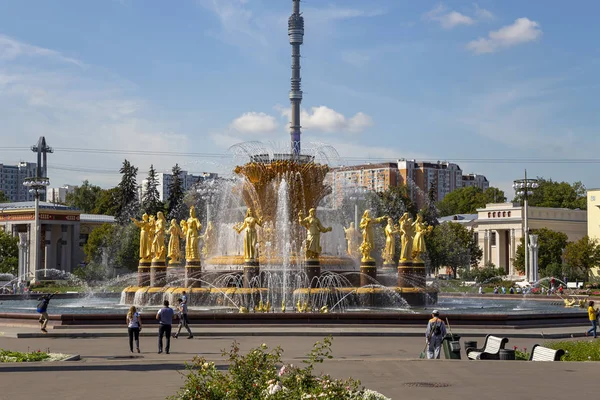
point(540, 353)
point(490, 351)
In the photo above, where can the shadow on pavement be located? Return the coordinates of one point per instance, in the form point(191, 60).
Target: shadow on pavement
point(108, 367)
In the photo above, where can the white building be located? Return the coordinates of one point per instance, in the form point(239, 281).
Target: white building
point(11, 181)
point(59, 195)
point(475, 180)
point(164, 181)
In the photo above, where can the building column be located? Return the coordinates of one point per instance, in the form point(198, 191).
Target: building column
point(498, 249)
point(47, 249)
point(513, 252)
point(486, 249)
point(63, 248)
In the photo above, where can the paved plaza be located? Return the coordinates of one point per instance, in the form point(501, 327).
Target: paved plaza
point(385, 360)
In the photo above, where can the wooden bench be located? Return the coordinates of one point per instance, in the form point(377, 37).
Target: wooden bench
point(540, 353)
point(490, 350)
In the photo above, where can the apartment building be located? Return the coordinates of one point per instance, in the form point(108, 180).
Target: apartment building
point(11, 181)
point(59, 195)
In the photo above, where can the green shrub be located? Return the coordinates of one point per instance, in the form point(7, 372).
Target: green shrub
point(260, 374)
point(582, 350)
point(17, 356)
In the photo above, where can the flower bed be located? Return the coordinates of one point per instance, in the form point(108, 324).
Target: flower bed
point(260, 374)
point(7, 356)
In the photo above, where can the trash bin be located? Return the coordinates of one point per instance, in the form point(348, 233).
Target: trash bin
point(506, 354)
point(451, 346)
point(469, 344)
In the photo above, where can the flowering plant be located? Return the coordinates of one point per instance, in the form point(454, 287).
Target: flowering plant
point(261, 374)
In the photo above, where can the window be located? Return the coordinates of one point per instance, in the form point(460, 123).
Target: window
point(493, 238)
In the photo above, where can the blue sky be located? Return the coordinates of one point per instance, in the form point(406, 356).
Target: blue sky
point(382, 80)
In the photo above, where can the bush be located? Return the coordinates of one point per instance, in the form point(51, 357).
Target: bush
point(581, 350)
point(483, 275)
point(17, 356)
point(260, 375)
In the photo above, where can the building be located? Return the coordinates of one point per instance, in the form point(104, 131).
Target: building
point(164, 182)
point(593, 217)
point(11, 181)
point(475, 180)
point(421, 177)
point(375, 177)
point(59, 195)
point(63, 233)
point(499, 229)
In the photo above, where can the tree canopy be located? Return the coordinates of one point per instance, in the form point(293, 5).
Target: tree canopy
point(468, 199)
point(551, 245)
point(3, 197)
point(151, 203)
point(583, 255)
point(9, 253)
point(394, 202)
point(84, 197)
point(127, 193)
point(452, 245)
point(175, 206)
point(550, 193)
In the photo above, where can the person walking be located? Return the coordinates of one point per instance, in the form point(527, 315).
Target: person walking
point(42, 308)
point(184, 297)
point(134, 326)
point(434, 335)
point(165, 318)
point(593, 315)
point(182, 312)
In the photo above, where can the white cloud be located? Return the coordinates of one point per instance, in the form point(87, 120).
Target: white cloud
point(448, 19)
point(11, 49)
point(332, 13)
point(523, 30)
point(325, 119)
point(255, 123)
point(482, 13)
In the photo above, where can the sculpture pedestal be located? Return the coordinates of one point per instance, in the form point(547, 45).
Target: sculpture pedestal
point(411, 274)
point(251, 272)
point(193, 272)
point(389, 267)
point(144, 273)
point(368, 273)
point(158, 273)
point(313, 272)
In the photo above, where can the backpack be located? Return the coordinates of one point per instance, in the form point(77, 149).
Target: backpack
point(437, 330)
point(42, 306)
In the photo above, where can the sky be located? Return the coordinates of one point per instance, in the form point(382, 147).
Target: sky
point(497, 86)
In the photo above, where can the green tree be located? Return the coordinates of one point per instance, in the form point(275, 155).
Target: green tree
point(107, 202)
point(9, 253)
point(84, 197)
point(452, 245)
point(175, 206)
point(429, 211)
point(468, 199)
point(394, 202)
point(583, 255)
point(127, 203)
point(151, 203)
point(557, 194)
point(117, 245)
point(550, 249)
point(3, 197)
point(100, 238)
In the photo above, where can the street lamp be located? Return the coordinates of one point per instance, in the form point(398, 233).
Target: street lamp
point(37, 186)
point(525, 188)
point(207, 192)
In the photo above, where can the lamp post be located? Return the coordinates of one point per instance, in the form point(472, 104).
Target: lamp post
point(525, 188)
point(207, 192)
point(37, 186)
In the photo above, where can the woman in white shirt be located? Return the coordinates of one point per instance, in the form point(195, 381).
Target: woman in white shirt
point(134, 326)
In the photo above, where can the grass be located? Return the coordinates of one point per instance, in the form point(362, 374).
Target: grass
point(17, 356)
point(581, 350)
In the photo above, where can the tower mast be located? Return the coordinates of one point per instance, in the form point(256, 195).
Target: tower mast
point(296, 34)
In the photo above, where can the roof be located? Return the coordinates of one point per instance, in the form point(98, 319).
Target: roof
point(108, 219)
point(459, 218)
point(44, 205)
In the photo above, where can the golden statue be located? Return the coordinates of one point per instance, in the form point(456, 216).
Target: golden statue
point(144, 226)
point(151, 230)
point(390, 242)
point(174, 247)
point(368, 235)
point(160, 251)
point(192, 235)
point(250, 235)
point(420, 230)
point(352, 239)
point(207, 239)
point(406, 229)
point(313, 237)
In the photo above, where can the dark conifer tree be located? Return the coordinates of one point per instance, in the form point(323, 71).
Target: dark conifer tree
point(127, 194)
point(151, 203)
point(175, 206)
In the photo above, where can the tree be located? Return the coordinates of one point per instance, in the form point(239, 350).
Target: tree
point(394, 202)
point(468, 199)
point(175, 206)
point(550, 249)
point(106, 203)
point(454, 246)
point(583, 255)
point(3, 197)
point(151, 203)
point(84, 197)
point(429, 211)
point(115, 245)
point(9, 253)
point(127, 196)
point(557, 194)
